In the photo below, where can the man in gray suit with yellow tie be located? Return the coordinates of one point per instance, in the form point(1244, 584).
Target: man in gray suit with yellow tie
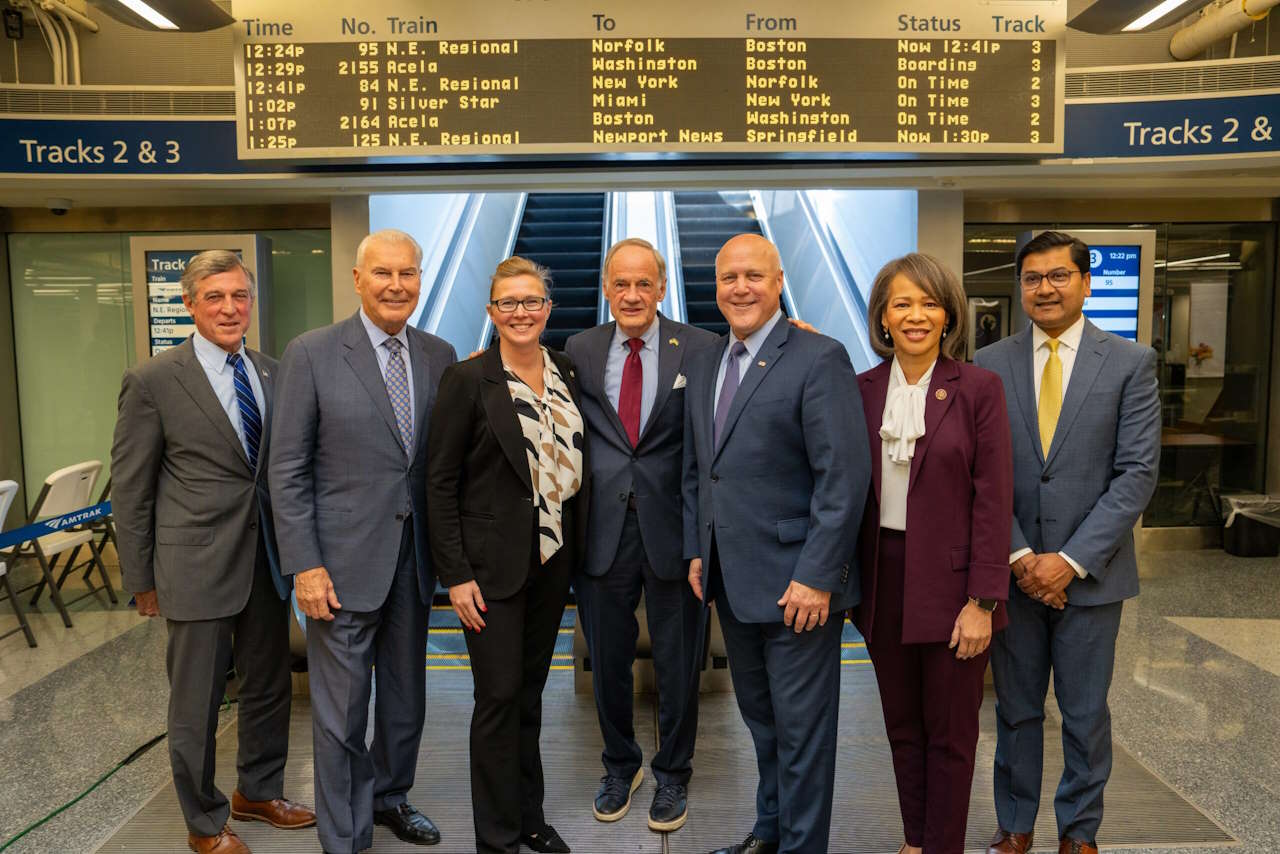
point(633, 396)
point(776, 472)
point(193, 524)
point(1085, 417)
point(348, 472)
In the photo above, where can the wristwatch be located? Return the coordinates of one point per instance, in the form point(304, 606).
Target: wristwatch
point(987, 605)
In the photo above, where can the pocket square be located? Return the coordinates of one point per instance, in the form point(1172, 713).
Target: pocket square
point(680, 382)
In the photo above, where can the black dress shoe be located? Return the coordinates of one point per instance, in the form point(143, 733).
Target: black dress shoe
point(750, 845)
point(408, 824)
point(545, 840)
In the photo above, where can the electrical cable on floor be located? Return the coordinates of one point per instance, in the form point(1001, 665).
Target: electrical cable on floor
point(128, 760)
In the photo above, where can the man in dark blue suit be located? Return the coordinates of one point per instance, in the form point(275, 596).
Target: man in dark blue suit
point(1084, 411)
point(632, 379)
point(775, 478)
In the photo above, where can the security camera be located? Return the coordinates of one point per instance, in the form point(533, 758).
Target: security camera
point(58, 207)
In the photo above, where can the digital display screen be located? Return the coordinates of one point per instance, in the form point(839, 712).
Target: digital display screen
point(1113, 302)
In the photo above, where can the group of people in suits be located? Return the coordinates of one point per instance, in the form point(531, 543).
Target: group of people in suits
point(959, 527)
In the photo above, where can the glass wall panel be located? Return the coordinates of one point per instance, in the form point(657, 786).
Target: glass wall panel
point(302, 289)
point(1212, 332)
point(73, 336)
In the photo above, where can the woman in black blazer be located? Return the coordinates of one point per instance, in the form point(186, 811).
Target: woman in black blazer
point(507, 498)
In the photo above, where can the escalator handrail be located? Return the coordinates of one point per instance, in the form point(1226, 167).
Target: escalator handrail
point(486, 331)
point(674, 301)
point(788, 300)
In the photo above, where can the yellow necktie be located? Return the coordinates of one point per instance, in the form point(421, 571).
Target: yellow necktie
point(1050, 396)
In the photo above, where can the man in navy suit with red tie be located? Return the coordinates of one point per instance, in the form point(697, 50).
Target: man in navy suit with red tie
point(633, 388)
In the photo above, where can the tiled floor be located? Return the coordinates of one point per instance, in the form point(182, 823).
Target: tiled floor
point(1194, 701)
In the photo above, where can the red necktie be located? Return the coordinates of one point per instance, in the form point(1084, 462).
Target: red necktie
point(631, 391)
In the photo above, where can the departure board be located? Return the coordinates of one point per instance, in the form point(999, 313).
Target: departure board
point(317, 80)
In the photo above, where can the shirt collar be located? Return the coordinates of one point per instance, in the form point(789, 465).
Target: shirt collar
point(1071, 337)
point(213, 357)
point(378, 336)
point(649, 337)
point(756, 339)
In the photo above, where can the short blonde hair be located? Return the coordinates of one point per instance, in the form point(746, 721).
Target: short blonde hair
point(517, 266)
point(641, 243)
point(935, 279)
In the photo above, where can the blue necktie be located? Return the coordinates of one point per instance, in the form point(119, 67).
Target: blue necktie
point(250, 418)
point(728, 388)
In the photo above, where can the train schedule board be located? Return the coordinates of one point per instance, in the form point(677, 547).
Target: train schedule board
point(331, 79)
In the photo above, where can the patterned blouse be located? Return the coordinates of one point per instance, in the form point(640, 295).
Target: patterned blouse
point(552, 428)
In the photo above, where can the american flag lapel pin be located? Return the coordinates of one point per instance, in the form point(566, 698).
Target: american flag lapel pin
point(674, 342)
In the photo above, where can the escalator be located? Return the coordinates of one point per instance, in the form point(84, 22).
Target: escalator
point(705, 220)
point(562, 231)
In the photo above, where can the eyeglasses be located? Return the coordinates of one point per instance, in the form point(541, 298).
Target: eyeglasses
point(1059, 278)
point(506, 305)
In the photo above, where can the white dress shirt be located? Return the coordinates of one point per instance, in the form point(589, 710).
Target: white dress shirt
point(617, 359)
point(895, 477)
point(753, 342)
point(1068, 346)
point(222, 377)
point(377, 337)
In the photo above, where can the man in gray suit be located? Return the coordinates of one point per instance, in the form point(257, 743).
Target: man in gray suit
point(1085, 417)
point(776, 472)
point(193, 523)
point(633, 390)
point(348, 476)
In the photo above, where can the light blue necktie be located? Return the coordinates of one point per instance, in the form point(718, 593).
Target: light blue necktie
point(398, 391)
point(250, 418)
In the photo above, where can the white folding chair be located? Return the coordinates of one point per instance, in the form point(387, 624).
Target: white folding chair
point(66, 490)
point(9, 489)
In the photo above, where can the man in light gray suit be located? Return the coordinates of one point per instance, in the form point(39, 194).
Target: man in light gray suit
point(193, 523)
point(633, 391)
point(776, 473)
point(348, 477)
point(1085, 418)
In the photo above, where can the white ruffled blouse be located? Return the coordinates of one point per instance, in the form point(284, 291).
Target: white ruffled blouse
point(902, 425)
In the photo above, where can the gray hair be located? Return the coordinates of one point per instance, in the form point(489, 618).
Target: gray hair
point(211, 262)
point(389, 235)
point(641, 243)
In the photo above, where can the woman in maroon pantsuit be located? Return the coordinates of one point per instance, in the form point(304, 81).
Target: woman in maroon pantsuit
point(934, 543)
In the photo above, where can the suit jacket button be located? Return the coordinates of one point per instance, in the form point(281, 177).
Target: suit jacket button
point(715, 478)
point(253, 523)
point(708, 526)
point(622, 496)
point(1044, 478)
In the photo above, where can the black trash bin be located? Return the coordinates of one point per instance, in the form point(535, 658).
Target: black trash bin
point(1252, 525)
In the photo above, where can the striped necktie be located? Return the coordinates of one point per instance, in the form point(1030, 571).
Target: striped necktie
point(250, 417)
point(398, 391)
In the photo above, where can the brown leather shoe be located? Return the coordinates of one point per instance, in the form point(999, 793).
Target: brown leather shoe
point(1005, 842)
point(280, 813)
point(226, 842)
point(1075, 846)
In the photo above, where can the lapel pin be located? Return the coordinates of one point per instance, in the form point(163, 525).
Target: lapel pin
point(760, 363)
point(674, 342)
point(940, 394)
point(265, 372)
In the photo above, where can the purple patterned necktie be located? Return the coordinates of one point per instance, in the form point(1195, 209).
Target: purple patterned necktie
point(728, 388)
